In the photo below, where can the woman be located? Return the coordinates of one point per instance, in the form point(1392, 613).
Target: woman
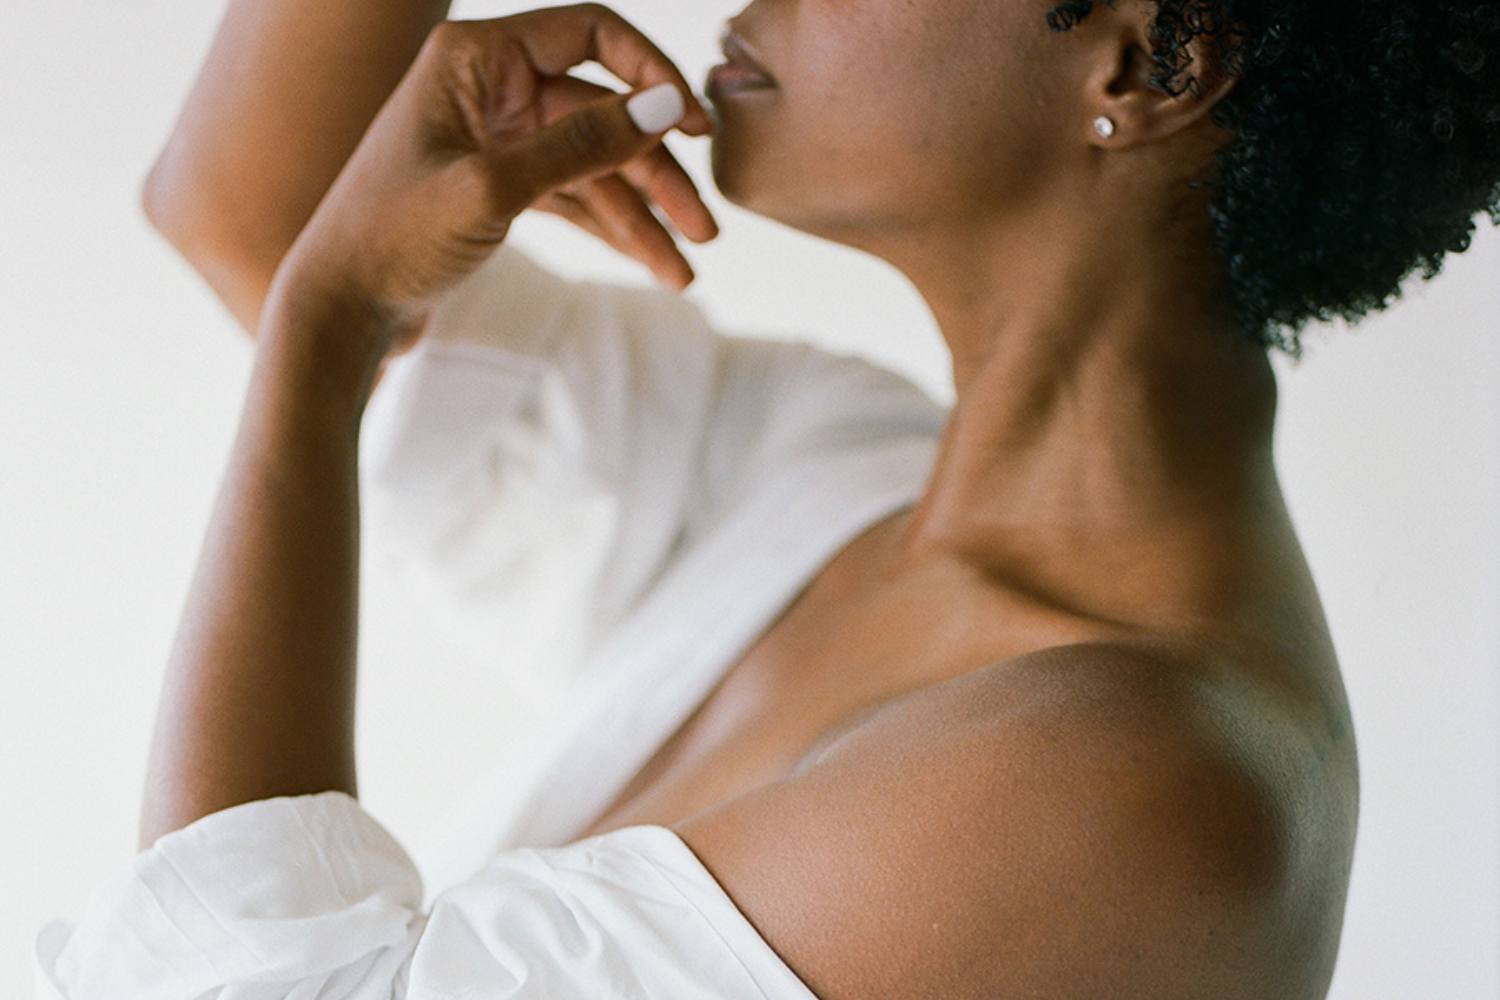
point(1070, 724)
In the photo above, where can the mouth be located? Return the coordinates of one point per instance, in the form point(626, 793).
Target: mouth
point(741, 70)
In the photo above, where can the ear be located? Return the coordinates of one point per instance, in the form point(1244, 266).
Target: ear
point(1121, 88)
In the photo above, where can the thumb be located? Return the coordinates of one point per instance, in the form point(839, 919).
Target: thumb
point(597, 137)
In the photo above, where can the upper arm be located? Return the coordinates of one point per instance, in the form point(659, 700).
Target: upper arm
point(281, 99)
point(984, 841)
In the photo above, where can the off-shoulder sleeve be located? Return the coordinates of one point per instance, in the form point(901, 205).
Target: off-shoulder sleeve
point(309, 897)
point(533, 467)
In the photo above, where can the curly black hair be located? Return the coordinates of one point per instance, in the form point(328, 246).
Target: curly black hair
point(1366, 143)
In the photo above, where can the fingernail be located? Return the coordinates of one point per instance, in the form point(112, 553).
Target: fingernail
point(656, 109)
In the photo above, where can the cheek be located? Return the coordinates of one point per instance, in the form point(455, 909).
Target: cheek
point(864, 100)
point(885, 108)
point(938, 80)
point(990, 89)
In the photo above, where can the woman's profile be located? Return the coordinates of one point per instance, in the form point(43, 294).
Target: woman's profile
point(1032, 696)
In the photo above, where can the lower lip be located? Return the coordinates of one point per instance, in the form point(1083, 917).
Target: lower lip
point(729, 78)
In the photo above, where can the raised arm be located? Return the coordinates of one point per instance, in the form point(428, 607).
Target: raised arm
point(258, 697)
point(280, 102)
point(284, 96)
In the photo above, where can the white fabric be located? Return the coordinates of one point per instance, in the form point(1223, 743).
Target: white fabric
point(596, 492)
point(309, 897)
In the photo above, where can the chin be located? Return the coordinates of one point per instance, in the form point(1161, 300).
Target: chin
point(773, 185)
point(731, 163)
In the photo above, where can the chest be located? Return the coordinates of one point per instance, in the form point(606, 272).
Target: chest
point(851, 641)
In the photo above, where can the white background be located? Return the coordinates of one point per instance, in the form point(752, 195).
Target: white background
point(120, 384)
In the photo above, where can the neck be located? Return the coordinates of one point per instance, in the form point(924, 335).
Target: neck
point(1106, 401)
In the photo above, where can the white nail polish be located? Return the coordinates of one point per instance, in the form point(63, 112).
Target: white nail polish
point(657, 109)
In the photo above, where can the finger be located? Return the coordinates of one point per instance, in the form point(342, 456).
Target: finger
point(657, 174)
point(569, 207)
point(577, 212)
point(620, 207)
point(598, 138)
point(660, 176)
point(556, 39)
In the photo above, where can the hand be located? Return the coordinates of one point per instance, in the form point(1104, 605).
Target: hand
point(485, 124)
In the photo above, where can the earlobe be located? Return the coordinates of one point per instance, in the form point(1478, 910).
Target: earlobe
point(1123, 86)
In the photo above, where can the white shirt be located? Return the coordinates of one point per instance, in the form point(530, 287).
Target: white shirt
point(696, 482)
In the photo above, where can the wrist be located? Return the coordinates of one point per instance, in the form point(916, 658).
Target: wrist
point(303, 296)
point(322, 345)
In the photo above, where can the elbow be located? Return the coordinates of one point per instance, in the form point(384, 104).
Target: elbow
point(164, 204)
point(177, 202)
point(148, 197)
point(192, 224)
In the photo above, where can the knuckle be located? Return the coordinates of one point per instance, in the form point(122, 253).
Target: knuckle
point(601, 12)
point(452, 41)
point(654, 235)
point(656, 170)
point(638, 230)
point(560, 207)
point(442, 36)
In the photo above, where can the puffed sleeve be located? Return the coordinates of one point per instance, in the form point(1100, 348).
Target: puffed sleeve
point(526, 468)
point(309, 897)
point(533, 466)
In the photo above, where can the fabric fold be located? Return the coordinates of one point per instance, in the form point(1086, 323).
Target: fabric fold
point(309, 897)
point(592, 490)
point(281, 890)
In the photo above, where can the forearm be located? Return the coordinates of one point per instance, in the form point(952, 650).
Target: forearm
point(280, 101)
point(258, 698)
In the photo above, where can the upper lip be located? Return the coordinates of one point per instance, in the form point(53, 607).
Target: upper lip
point(737, 51)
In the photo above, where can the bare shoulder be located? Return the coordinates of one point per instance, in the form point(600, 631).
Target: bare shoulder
point(1089, 820)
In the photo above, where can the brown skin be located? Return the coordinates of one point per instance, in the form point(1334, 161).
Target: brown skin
point(258, 695)
point(1109, 462)
point(1082, 732)
point(302, 83)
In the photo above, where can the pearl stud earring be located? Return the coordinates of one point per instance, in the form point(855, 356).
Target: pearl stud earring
point(1105, 126)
